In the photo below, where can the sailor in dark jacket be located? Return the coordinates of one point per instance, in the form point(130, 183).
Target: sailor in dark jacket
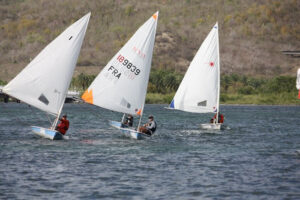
point(150, 127)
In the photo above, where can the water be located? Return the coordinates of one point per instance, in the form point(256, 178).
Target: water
point(254, 159)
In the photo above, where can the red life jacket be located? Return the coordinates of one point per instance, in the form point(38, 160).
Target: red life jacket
point(220, 118)
point(63, 126)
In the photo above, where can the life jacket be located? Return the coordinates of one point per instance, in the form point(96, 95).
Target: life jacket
point(130, 121)
point(63, 126)
point(221, 119)
point(154, 128)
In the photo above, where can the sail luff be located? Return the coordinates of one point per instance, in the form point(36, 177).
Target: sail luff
point(142, 111)
point(145, 91)
point(218, 69)
point(57, 117)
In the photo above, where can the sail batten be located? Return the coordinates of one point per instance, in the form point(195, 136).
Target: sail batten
point(122, 84)
point(199, 89)
point(44, 82)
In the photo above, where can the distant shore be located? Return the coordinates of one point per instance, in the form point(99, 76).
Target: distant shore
point(284, 98)
point(280, 99)
point(235, 89)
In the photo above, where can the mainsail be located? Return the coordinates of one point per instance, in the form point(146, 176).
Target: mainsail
point(199, 89)
point(122, 84)
point(44, 82)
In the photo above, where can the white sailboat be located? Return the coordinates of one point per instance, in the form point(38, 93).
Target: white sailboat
point(298, 82)
point(44, 82)
point(199, 90)
point(122, 84)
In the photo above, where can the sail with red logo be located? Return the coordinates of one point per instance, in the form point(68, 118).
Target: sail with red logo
point(199, 90)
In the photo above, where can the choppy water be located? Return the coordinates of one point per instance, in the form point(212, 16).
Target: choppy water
point(254, 159)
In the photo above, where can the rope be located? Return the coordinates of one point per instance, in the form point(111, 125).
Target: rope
point(18, 119)
point(92, 110)
point(48, 118)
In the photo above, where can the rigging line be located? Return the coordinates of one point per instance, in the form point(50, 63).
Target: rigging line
point(89, 107)
point(97, 114)
point(39, 114)
point(18, 119)
point(48, 118)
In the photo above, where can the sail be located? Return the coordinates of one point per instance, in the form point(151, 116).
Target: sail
point(199, 89)
point(298, 82)
point(44, 82)
point(122, 84)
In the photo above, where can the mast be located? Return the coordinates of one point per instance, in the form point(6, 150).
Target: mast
point(141, 115)
point(218, 95)
point(143, 105)
point(123, 118)
point(56, 120)
point(139, 123)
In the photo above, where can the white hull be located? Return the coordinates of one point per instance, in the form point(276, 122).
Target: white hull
point(212, 126)
point(128, 131)
point(47, 133)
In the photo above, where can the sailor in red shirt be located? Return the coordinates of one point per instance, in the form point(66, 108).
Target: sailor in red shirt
point(63, 126)
point(220, 118)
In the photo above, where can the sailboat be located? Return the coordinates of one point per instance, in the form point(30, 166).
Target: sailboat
point(199, 91)
point(122, 84)
point(298, 82)
point(44, 82)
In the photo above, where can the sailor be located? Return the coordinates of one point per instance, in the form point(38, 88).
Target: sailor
point(129, 120)
point(220, 118)
point(63, 126)
point(150, 127)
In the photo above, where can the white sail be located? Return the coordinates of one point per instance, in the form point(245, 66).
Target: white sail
point(122, 84)
point(298, 79)
point(199, 89)
point(44, 82)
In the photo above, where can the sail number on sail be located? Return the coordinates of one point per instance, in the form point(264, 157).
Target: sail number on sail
point(128, 64)
point(129, 70)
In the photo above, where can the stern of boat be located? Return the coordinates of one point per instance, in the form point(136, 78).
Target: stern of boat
point(127, 131)
point(212, 126)
point(47, 133)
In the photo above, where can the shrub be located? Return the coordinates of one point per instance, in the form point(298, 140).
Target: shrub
point(246, 90)
point(82, 81)
point(280, 84)
point(3, 82)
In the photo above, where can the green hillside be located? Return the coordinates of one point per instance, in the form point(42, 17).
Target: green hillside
point(252, 33)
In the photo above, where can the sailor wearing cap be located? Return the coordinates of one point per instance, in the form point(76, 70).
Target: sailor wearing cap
point(63, 126)
point(150, 127)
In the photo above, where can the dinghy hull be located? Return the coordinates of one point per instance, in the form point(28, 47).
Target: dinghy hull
point(212, 126)
point(128, 131)
point(47, 133)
